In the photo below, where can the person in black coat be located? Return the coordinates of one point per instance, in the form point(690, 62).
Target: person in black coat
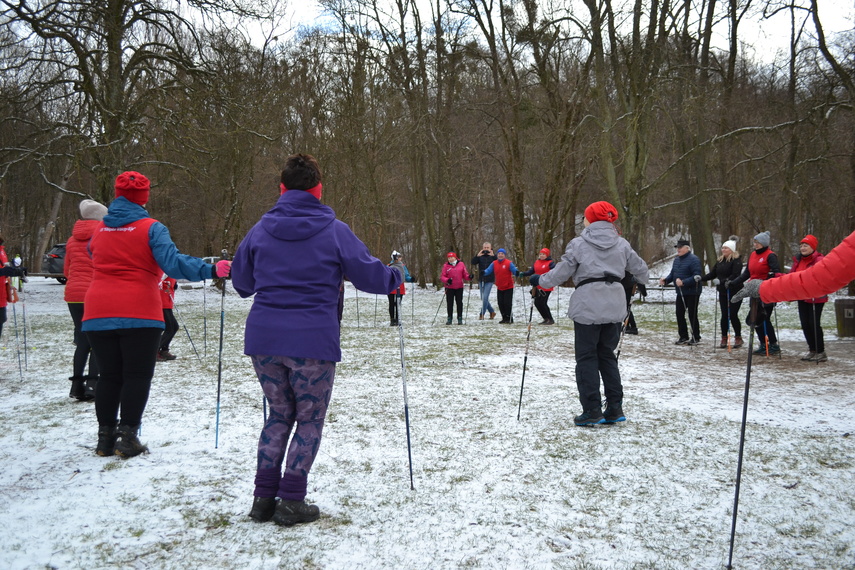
point(726, 269)
point(483, 260)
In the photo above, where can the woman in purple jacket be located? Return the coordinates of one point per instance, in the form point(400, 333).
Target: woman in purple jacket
point(294, 261)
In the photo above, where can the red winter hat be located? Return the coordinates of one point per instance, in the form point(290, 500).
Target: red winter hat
point(811, 241)
point(545, 250)
point(451, 254)
point(601, 212)
point(133, 186)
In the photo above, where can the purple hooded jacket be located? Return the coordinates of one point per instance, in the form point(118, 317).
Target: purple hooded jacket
point(294, 260)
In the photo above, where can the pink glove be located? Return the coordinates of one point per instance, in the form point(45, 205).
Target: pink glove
point(224, 268)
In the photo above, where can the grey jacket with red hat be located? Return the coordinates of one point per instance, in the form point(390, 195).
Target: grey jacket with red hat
point(598, 253)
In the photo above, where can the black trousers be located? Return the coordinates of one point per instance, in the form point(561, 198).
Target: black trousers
point(171, 328)
point(595, 359)
point(83, 350)
point(810, 316)
point(505, 300)
point(763, 327)
point(393, 306)
point(127, 358)
point(455, 296)
point(541, 303)
point(2, 319)
point(729, 314)
point(688, 303)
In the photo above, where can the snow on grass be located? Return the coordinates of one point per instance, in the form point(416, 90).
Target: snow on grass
point(490, 491)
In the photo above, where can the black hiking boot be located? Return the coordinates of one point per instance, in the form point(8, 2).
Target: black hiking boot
point(288, 513)
point(106, 441)
point(614, 413)
point(89, 387)
point(78, 388)
point(262, 508)
point(127, 445)
point(682, 341)
point(589, 418)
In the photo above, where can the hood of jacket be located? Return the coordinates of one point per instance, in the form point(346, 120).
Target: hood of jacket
point(83, 229)
point(297, 216)
point(602, 235)
point(122, 212)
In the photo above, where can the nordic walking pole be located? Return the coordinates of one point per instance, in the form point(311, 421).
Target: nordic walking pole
point(24, 315)
point(774, 312)
point(468, 298)
point(437, 312)
point(17, 342)
point(728, 320)
point(412, 305)
point(375, 309)
point(664, 334)
point(752, 315)
point(525, 358)
point(815, 331)
point(184, 326)
point(205, 318)
point(404, 384)
point(220, 356)
point(557, 303)
point(625, 323)
point(715, 318)
point(357, 306)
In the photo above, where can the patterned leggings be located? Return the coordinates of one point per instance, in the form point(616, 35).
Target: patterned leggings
point(298, 391)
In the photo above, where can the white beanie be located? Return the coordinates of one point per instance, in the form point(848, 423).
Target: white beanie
point(730, 244)
point(92, 210)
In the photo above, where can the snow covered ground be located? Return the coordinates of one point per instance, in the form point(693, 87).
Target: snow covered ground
point(490, 491)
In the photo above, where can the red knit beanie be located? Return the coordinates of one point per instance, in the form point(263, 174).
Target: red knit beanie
point(545, 250)
point(451, 254)
point(811, 241)
point(133, 186)
point(601, 211)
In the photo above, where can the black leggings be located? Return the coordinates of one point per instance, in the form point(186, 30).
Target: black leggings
point(455, 295)
point(127, 358)
point(83, 350)
point(541, 302)
point(393, 306)
point(505, 300)
point(810, 316)
point(730, 310)
point(171, 328)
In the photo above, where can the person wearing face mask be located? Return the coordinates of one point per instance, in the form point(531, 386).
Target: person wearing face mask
point(505, 271)
point(810, 310)
point(762, 264)
point(452, 277)
point(483, 260)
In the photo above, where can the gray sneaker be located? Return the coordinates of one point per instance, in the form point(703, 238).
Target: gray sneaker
point(819, 357)
point(809, 356)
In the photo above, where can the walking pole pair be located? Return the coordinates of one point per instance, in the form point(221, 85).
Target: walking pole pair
point(752, 316)
point(525, 358)
point(220, 357)
point(404, 384)
point(184, 326)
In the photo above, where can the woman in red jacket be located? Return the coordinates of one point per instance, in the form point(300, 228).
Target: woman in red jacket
point(77, 269)
point(453, 274)
point(542, 265)
point(170, 323)
point(810, 310)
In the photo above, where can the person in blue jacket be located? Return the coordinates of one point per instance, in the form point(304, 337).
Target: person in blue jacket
point(294, 261)
point(686, 275)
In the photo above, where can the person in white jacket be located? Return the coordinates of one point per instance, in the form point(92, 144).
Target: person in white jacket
point(597, 260)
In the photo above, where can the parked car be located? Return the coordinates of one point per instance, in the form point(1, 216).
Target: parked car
point(53, 262)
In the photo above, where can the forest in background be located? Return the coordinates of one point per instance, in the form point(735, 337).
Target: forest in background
point(438, 124)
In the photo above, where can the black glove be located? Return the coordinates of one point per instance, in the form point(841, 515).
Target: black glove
point(13, 271)
point(449, 281)
point(534, 280)
point(727, 283)
point(642, 289)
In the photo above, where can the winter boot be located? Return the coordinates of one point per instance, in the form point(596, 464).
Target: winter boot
point(481, 317)
point(737, 342)
point(459, 320)
point(723, 343)
point(448, 321)
point(91, 382)
point(127, 444)
point(820, 357)
point(78, 388)
point(774, 349)
point(492, 315)
point(106, 440)
point(262, 508)
point(761, 350)
point(614, 413)
point(288, 513)
point(164, 354)
point(551, 322)
point(590, 418)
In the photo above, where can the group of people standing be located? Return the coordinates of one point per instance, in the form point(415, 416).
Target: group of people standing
point(728, 275)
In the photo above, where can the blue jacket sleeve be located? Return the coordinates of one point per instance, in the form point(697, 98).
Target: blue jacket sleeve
point(513, 269)
point(488, 271)
point(242, 274)
point(174, 263)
